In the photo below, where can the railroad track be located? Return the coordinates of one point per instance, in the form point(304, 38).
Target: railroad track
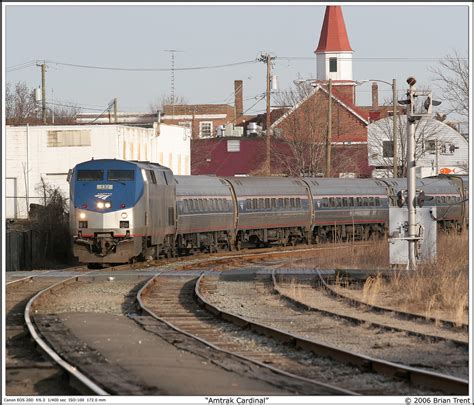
point(27, 371)
point(171, 300)
point(391, 311)
point(441, 370)
point(323, 299)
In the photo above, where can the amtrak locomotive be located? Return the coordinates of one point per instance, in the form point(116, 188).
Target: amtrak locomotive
point(123, 211)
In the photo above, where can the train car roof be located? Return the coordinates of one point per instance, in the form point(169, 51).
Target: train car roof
point(201, 186)
point(141, 164)
point(265, 186)
point(337, 186)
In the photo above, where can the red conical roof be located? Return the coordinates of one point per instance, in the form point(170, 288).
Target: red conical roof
point(333, 34)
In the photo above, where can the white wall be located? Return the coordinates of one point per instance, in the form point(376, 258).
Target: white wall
point(344, 66)
point(29, 156)
point(446, 136)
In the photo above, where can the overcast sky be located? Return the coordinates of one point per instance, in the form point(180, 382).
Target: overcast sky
point(136, 36)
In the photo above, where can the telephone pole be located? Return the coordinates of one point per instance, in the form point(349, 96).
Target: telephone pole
point(329, 134)
point(394, 116)
point(115, 110)
point(267, 59)
point(43, 90)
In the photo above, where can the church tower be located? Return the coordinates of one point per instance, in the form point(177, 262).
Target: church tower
point(334, 53)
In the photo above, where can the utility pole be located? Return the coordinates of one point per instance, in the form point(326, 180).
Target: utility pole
point(115, 110)
point(267, 59)
point(437, 156)
point(329, 133)
point(395, 135)
point(43, 89)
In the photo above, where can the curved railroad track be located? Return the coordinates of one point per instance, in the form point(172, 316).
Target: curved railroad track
point(327, 301)
point(28, 372)
point(171, 300)
point(259, 311)
point(391, 311)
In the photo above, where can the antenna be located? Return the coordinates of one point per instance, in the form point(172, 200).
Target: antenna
point(172, 51)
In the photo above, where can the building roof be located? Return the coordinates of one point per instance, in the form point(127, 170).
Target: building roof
point(337, 96)
point(333, 36)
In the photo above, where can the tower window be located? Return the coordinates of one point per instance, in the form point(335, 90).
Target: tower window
point(333, 64)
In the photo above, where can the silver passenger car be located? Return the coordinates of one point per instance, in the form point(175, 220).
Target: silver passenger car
point(271, 209)
point(348, 208)
point(205, 213)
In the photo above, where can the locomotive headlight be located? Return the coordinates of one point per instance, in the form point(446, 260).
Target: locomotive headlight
point(107, 205)
point(124, 215)
point(82, 215)
point(100, 205)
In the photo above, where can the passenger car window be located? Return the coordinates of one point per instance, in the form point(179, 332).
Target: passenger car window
point(274, 203)
point(325, 202)
point(351, 201)
point(267, 203)
point(298, 203)
point(248, 203)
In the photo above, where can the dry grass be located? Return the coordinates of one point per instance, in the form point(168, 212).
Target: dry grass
point(438, 289)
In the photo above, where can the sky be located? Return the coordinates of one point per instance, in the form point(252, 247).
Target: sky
point(137, 36)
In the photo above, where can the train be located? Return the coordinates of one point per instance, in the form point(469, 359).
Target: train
point(125, 211)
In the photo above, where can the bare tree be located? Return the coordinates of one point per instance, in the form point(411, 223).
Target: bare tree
point(452, 77)
point(166, 100)
point(20, 105)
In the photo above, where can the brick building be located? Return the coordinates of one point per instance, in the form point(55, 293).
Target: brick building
point(205, 119)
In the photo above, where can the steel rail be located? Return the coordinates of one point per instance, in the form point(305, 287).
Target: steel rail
point(144, 290)
point(84, 384)
point(400, 314)
point(352, 319)
point(435, 381)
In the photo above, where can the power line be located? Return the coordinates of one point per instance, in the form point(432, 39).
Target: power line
point(381, 59)
point(151, 69)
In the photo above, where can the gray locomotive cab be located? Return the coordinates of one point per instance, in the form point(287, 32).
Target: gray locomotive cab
point(271, 210)
point(205, 213)
point(348, 209)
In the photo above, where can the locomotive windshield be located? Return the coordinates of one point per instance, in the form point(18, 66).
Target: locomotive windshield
point(121, 175)
point(90, 175)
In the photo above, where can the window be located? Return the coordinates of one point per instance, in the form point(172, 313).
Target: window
point(351, 201)
point(377, 201)
point(151, 176)
point(292, 202)
point(267, 203)
point(205, 129)
point(338, 202)
point(90, 175)
point(365, 201)
point(274, 203)
point(254, 204)
point(387, 148)
point(280, 203)
point(371, 201)
point(333, 64)
point(430, 146)
point(325, 202)
point(359, 201)
point(248, 203)
point(233, 145)
point(287, 202)
point(332, 202)
point(345, 202)
point(260, 203)
point(69, 138)
point(298, 203)
point(121, 175)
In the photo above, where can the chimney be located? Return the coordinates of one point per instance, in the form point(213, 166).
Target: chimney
point(375, 95)
point(239, 99)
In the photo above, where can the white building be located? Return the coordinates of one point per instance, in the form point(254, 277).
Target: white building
point(48, 152)
point(439, 148)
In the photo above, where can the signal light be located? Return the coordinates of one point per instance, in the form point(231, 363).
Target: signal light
point(400, 199)
point(84, 205)
point(122, 205)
